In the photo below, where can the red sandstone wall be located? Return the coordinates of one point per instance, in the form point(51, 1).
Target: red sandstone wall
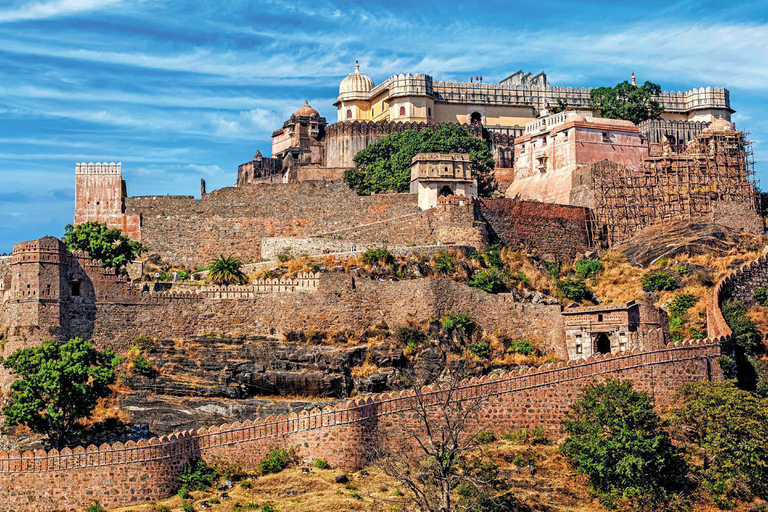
point(559, 232)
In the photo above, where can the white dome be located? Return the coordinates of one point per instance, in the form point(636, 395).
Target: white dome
point(356, 83)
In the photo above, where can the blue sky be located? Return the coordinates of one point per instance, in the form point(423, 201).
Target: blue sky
point(179, 90)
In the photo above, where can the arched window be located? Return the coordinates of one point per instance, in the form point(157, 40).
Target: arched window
point(349, 113)
point(402, 111)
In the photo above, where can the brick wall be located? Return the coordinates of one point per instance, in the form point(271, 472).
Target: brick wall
point(344, 434)
point(559, 232)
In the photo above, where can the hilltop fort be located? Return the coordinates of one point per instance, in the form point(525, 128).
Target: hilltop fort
point(570, 183)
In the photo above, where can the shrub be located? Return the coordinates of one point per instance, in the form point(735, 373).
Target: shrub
point(246, 484)
point(268, 508)
point(461, 322)
point(146, 344)
point(356, 495)
point(575, 290)
point(490, 280)
point(284, 255)
point(518, 461)
point(761, 295)
point(444, 263)
point(485, 437)
point(184, 493)
point(521, 347)
point(529, 436)
point(378, 256)
point(410, 336)
point(95, 507)
point(214, 501)
point(197, 475)
point(276, 461)
point(141, 365)
point(188, 507)
point(729, 427)
point(493, 258)
point(252, 505)
point(163, 508)
point(481, 349)
point(746, 337)
point(228, 470)
point(552, 269)
point(616, 438)
point(682, 303)
point(682, 270)
point(586, 268)
point(658, 280)
point(322, 464)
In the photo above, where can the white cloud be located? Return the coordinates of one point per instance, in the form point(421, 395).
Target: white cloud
point(53, 8)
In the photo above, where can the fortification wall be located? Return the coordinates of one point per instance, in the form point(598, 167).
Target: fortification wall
point(559, 232)
point(231, 221)
point(345, 434)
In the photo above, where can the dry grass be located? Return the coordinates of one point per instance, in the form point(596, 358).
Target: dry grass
point(365, 370)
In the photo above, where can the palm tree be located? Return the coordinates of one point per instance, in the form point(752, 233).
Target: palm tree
point(226, 271)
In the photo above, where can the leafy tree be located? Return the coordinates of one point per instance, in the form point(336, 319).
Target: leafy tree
point(226, 271)
point(575, 290)
point(386, 164)
point(522, 347)
point(728, 430)
point(379, 256)
point(626, 101)
point(616, 438)
point(682, 303)
point(57, 384)
point(745, 343)
point(114, 249)
point(586, 268)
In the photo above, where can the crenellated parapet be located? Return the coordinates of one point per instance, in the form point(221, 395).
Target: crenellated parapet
point(98, 168)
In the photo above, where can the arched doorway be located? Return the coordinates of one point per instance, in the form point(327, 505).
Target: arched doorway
point(602, 344)
point(476, 118)
point(445, 191)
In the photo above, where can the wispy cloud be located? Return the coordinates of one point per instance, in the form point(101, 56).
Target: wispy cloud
point(53, 8)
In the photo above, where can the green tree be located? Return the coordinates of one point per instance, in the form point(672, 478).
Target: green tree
point(225, 270)
point(386, 164)
point(728, 430)
point(616, 438)
point(57, 384)
point(626, 101)
point(114, 249)
point(491, 280)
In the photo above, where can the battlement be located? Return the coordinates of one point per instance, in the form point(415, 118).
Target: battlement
point(43, 250)
point(98, 168)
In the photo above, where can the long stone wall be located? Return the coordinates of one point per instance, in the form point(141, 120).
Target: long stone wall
point(345, 434)
point(233, 221)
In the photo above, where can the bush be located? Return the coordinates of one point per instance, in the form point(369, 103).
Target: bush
point(729, 428)
point(552, 269)
point(378, 256)
point(529, 436)
point(575, 290)
point(461, 322)
point(95, 507)
point(658, 280)
point(276, 461)
point(197, 475)
point(490, 280)
point(322, 464)
point(284, 255)
point(444, 263)
point(746, 337)
point(493, 258)
point(142, 366)
point(485, 437)
point(268, 508)
point(761, 295)
point(682, 303)
point(146, 344)
point(615, 437)
point(521, 347)
point(188, 507)
point(586, 268)
point(481, 349)
point(682, 270)
point(184, 493)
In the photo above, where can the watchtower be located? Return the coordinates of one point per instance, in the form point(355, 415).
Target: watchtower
point(100, 193)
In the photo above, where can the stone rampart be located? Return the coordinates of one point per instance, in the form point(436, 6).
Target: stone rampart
point(345, 434)
point(233, 221)
point(558, 232)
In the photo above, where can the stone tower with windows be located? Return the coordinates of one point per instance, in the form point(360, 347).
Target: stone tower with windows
point(100, 197)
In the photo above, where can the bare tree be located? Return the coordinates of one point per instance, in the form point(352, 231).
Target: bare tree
point(432, 463)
